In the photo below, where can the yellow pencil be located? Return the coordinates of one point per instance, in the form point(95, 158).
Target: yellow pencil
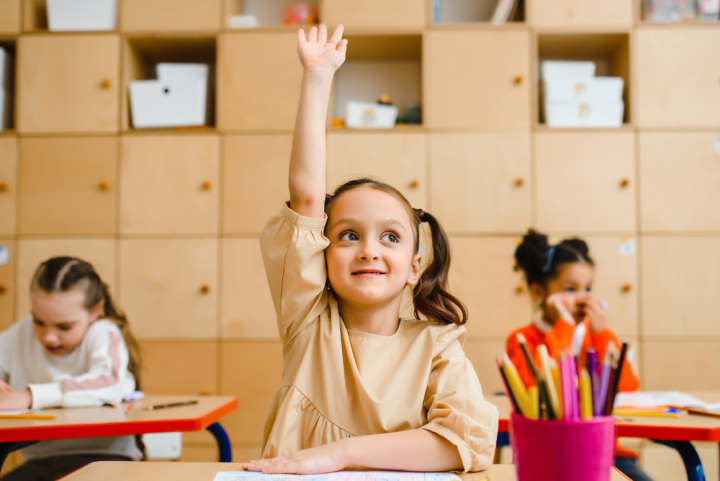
point(558, 388)
point(546, 368)
point(586, 407)
point(516, 385)
point(27, 416)
point(534, 395)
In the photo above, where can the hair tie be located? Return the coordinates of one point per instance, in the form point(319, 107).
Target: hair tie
point(549, 254)
point(421, 215)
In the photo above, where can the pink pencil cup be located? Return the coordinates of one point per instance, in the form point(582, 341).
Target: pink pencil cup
point(582, 450)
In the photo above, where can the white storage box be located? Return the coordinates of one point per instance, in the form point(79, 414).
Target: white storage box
point(182, 71)
point(81, 15)
point(6, 108)
point(168, 103)
point(552, 69)
point(365, 115)
point(598, 89)
point(163, 445)
point(584, 114)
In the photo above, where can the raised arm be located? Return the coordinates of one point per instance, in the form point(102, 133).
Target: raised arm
point(320, 59)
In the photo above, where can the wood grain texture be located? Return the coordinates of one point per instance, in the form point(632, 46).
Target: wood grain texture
point(8, 185)
point(582, 14)
point(374, 13)
point(9, 16)
point(7, 286)
point(170, 15)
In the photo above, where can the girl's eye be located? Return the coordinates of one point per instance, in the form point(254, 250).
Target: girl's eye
point(390, 238)
point(349, 236)
point(64, 327)
point(570, 289)
point(38, 323)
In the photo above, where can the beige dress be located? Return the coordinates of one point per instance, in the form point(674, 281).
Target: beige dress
point(338, 383)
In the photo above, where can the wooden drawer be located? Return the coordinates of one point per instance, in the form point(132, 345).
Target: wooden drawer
point(680, 177)
point(482, 276)
point(168, 287)
point(408, 14)
point(169, 15)
point(582, 13)
point(259, 81)
point(31, 252)
point(585, 182)
point(9, 16)
point(67, 185)
point(251, 371)
point(180, 368)
point(680, 284)
point(477, 80)
point(7, 286)
point(395, 158)
point(254, 180)
point(678, 77)
point(169, 184)
point(247, 309)
point(481, 182)
point(684, 366)
point(8, 185)
point(69, 83)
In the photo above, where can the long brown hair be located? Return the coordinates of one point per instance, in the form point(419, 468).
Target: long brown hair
point(430, 295)
point(60, 274)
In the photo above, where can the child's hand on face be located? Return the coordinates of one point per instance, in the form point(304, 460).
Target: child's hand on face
point(556, 308)
point(15, 400)
point(596, 315)
point(322, 459)
point(317, 53)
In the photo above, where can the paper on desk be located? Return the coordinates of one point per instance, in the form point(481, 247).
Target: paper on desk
point(650, 399)
point(341, 476)
point(15, 413)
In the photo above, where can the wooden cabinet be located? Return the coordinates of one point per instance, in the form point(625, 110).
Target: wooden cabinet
point(395, 158)
point(168, 287)
point(680, 283)
point(482, 276)
point(677, 77)
point(247, 309)
point(7, 283)
point(67, 185)
point(68, 83)
point(477, 79)
point(9, 16)
point(407, 14)
point(480, 181)
point(254, 180)
point(169, 15)
point(31, 252)
point(179, 368)
point(684, 366)
point(585, 182)
point(680, 175)
point(259, 80)
point(251, 371)
point(169, 184)
point(582, 13)
point(8, 184)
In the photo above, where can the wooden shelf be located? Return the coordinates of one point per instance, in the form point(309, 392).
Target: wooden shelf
point(542, 128)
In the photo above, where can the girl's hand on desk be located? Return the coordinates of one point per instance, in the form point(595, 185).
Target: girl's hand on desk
point(322, 459)
point(16, 400)
point(318, 53)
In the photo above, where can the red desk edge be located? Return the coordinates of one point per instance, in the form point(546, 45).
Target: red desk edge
point(123, 428)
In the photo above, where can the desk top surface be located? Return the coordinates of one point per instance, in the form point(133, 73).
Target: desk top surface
point(687, 428)
point(119, 471)
point(112, 421)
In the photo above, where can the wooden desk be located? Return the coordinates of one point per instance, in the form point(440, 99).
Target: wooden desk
point(112, 421)
point(672, 432)
point(109, 471)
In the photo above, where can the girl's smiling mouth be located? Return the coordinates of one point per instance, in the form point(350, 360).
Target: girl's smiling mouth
point(368, 273)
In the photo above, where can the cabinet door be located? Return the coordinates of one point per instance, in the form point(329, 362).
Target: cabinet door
point(585, 182)
point(678, 77)
point(477, 79)
point(680, 284)
point(68, 185)
point(179, 368)
point(169, 184)
point(582, 13)
point(395, 158)
point(482, 276)
point(8, 185)
point(9, 16)
point(686, 366)
point(481, 182)
point(7, 284)
point(254, 181)
point(247, 308)
point(168, 287)
point(259, 81)
point(680, 175)
point(169, 15)
point(31, 252)
point(69, 83)
point(374, 13)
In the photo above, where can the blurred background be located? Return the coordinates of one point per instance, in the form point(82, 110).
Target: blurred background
point(152, 138)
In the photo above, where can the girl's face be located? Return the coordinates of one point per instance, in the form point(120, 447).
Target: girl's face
point(371, 257)
point(60, 319)
point(575, 282)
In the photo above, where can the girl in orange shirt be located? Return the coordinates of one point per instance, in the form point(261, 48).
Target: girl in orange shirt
point(567, 316)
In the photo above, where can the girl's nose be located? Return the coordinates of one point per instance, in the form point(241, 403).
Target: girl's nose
point(368, 254)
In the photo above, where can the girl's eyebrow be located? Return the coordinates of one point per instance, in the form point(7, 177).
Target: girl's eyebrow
point(351, 220)
point(36, 318)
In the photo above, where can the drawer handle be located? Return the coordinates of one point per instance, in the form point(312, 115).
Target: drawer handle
point(104, 186)
point(414, 184)
point(206, 185)
point(519, 290)
point(624, 183)
point(3, 289)
point(626, 288)
point(4, 187)
point(518, 80)
point(105, 83)
point(519, 182)
point(204, 289)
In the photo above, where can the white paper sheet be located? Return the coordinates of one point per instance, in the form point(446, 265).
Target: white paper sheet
point(12, 413)
point(650, 399)
point(341, 476)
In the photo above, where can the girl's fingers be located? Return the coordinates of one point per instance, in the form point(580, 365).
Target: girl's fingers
point(342, 46)
point(312, 36)
point(337, 35)
point(322, 34)
point(301, 36)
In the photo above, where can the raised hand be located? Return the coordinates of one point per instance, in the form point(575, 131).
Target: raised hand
point(318, 53)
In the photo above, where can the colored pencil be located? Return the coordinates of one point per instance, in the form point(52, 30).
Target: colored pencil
point(591, 362)
point(615, 380)
point(558, 388)
point(516, 385)
point(586, 407)
point(574, 387)
point(566, 386)
point(545, 409)
point(508, 391)
point(604, 381)
point(546, 370)
point(26, 416)
point(534, 395)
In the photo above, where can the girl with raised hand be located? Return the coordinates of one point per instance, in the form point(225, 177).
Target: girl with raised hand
point(361, 386)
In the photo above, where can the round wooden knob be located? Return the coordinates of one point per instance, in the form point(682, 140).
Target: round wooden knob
point(105, 83)
point(624, 183)
point(414, 184)
point(519, 290)
point(518, 80)
point(206, 185)
point(519, 182)
point(3, 289)
point(205, 288)
point(4, 187)
point(626, 288)
point(104, 186)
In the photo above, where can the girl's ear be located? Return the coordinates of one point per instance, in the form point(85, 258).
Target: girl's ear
point(537, 292)
point(415, 270)
point(96, 311)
